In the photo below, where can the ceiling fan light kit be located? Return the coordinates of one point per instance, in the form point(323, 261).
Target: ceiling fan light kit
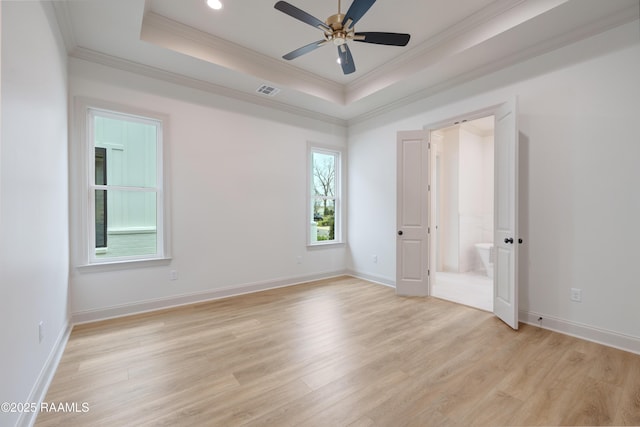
point(214, 4)
point(339, 29)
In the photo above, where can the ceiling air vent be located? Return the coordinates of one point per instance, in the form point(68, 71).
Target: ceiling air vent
point(268, 90)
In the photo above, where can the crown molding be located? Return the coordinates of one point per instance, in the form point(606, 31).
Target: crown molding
point(170, 34)
point(182, 80)
point(63, 18)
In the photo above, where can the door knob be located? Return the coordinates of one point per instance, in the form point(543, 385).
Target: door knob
point(508, 240)
point(400, 233)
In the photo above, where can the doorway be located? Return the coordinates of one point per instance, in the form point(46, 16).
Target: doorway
point(414, 254)
point(462, 213)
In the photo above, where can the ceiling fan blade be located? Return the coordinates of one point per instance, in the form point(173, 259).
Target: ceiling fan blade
point(389, 39)
point(301, 15)
point(356, 11)
point(346, 60)
point(304, 49)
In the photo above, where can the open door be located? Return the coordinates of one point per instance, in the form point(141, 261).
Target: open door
point(506, 239)
point(412, 270)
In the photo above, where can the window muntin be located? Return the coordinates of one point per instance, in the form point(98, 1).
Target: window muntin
point(325, 192)
point(125, 197)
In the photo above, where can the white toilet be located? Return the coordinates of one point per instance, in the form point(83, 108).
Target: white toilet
point(485, 250)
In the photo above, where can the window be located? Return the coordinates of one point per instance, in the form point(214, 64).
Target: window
point(325, 169)
point(124, 209)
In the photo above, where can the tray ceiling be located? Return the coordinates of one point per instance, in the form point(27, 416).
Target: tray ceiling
point(235, 50)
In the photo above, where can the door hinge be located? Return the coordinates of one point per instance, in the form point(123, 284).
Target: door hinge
point(428, 272)
point(428, 230)
point(429, 146)
point(428, 187)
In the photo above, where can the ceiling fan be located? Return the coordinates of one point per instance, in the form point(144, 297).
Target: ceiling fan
point(338, 29)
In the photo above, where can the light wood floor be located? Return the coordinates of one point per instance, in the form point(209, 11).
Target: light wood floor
point(337, 352)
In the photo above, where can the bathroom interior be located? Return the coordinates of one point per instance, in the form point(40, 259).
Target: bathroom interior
point(462, 171)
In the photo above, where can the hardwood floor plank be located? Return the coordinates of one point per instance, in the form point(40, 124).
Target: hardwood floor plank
point(596, 406)
point(362, 422)
point(429, 417)
point(324, 399)
point(339, 351)
point(243, 407)
point(629, 405)
point(354, 405)
point(610, 365)
point(496, 408)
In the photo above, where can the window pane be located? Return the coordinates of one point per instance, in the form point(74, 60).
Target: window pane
point(131, 223)
point(101, 166)
point(324, 174)
point(101, 219)
point(130, 151)
point(323, 221)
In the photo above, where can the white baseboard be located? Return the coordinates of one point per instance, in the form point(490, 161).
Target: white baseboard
point(582, 331)
point(186, 299)
point(371, 278)
point(39, 390)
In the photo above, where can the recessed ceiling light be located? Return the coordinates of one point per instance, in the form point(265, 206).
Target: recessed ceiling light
point(214, 4)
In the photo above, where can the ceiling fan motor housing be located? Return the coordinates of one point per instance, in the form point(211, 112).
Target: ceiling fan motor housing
point(335, 21)
point(338, 36)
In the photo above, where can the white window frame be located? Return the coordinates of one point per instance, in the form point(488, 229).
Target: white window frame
point(83, 184)
point(340, 188)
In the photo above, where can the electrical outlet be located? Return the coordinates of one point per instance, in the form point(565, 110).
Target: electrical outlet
point(298, 259)
point(173, 275)
point(40, 331)
point(576, 295)
point(374, 258)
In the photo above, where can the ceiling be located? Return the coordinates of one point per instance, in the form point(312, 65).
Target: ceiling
point(237, 49)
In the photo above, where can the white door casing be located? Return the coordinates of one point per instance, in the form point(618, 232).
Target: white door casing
point(506, 239)
point(412, 245)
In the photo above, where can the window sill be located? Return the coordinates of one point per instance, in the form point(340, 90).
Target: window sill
point(123, 265)
point(327, 245)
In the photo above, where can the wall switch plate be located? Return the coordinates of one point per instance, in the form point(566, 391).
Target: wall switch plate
point(374, 258)
point(298, 259)
point(576, 294)
point(40, 331)
point(173, 275)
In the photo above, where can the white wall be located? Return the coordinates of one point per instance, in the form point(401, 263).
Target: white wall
point(450, 199)
point(472, 171)
point(34, 211)
point(238, 190)
point(580, 145)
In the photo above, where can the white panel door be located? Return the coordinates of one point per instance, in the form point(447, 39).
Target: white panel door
point(412, 245)
point(505, 293)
